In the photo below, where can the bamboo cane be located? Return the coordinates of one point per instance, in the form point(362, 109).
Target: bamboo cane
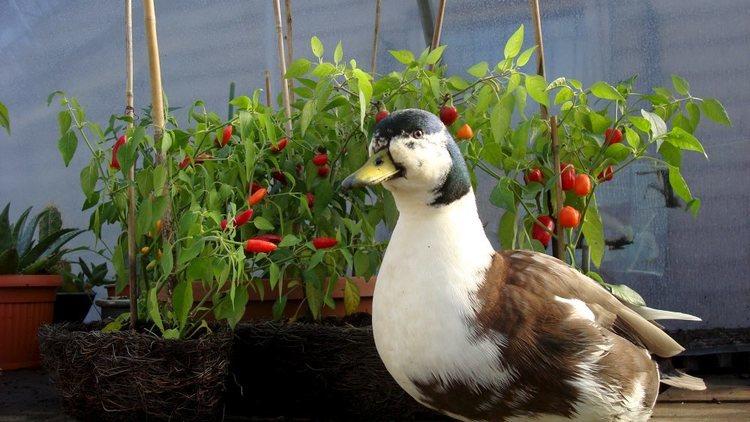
point(267, 76)
point(282, 68)
point(437, 32)
point(157, 113)
point(559, 242)
point(130, 112)
point(374, 57)
point(289, 43)
point(157, 101)
point(536, 17)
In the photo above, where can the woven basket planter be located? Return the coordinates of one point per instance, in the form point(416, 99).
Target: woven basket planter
point(319, 371)
point(135, 376)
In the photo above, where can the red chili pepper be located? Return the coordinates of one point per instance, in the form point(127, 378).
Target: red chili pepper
point(539, 233)
point(259, 246)
point(279, 175)
point(226, 135)
point(279, 145)
point(254, 187)
point(612, 136)
point(448, 114)
point(243, 218)
point(323, 171)
point(115, 163)
point(320, 159)
point(310, 199)
point(223, 224)
point(382, 114)
point(269, 237)
point(606, 174)
point(185, 162)
point(324, 242)
point(567, 176)
point(257, 196)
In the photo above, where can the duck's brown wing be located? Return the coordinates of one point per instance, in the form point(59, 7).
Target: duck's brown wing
point(551, 279)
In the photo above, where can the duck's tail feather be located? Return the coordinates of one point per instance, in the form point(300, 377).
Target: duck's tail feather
point(652, 314)
point(673, 377)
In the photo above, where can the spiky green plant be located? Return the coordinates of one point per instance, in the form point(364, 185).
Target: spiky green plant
point(23, 253)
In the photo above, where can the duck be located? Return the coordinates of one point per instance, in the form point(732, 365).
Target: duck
point(484, 335)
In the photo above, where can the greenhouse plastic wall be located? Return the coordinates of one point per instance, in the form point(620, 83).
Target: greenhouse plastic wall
point(698, 266)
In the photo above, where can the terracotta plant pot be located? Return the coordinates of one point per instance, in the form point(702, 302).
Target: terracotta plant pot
point(261, 306)
point(26, 303)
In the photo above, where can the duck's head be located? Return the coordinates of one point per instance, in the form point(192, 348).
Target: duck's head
point(414, 156)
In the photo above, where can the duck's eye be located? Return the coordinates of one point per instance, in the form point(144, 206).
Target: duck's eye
point(416, 134)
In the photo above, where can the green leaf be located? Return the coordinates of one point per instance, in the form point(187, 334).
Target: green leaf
point(298, 68)
point(308, 111)
point(457, 83)
point(640, 123)
point(351, 297)
point(403, 56)
point(171, 334)
point(478, 70)
point(500, 118)
point(166, 262)
point(67, 145)
point(694, 207)
point(685, 141)
point(182, 301)
point(274, 275)
point(243, 102)
point(625, 294)
point(680, 85)
point(63, 121)
point(361, 263)
point(537, 89)
point(714, 110)
point(514, 43)
point(89, 176)
point(657, 125)
point(593, 230)
point(278, 308)
point(4, 118)
point(166, 142)
point(324, 69)
point(338, 53)
point(153, 308)
point(525, 56)
point(506, 231)
point(188, 254)
point(679, 185)
point(606, 91)
point(435, 55)
point(502, 195)
point(289, 240)
point(262, 224)
point(313, 293)
point(616, 152)
point(317, 46)
point(633, 139)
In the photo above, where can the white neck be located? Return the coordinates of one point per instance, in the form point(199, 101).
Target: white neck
point(448, 238)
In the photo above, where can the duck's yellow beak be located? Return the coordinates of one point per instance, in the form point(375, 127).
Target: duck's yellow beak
point(377, 169)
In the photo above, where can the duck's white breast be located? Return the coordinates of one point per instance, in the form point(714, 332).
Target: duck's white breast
point(423, 305)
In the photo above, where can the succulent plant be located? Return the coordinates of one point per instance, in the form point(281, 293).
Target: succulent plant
point(23, 253)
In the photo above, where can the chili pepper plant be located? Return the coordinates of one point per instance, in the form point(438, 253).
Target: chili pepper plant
point(248, 204)
point(492, 112)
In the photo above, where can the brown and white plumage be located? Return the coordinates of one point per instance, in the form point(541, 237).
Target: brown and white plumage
point(485, 335)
